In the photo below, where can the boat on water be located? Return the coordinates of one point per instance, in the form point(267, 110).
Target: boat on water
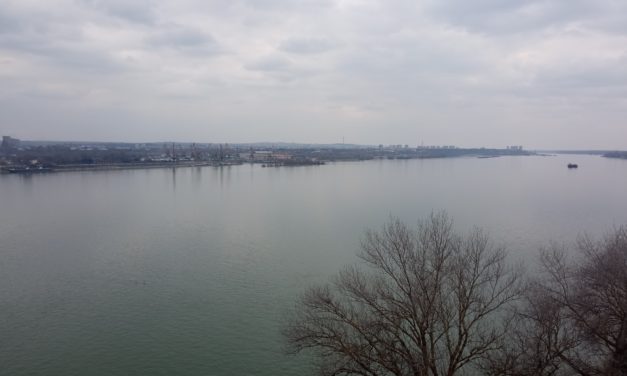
point(572, 165)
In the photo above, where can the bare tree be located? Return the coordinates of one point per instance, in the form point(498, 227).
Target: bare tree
point(535, 340)
point(430, 302)
point(576, 313)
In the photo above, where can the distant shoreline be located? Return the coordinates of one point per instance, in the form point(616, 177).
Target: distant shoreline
point(113, 166)
point(24, 157)
point(24, 170)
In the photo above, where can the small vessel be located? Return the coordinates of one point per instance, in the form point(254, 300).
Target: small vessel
point(572, 165)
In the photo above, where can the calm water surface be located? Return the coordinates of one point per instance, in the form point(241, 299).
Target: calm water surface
point(189, 271)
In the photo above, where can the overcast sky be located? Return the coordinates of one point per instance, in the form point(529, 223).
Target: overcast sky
point(544, 74)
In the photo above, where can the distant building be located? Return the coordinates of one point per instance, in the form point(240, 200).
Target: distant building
point(265, 155)
point(9, 142)
point(281, 156)
point(262, 155)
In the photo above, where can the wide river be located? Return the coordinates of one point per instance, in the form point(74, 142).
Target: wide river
point(190, 271)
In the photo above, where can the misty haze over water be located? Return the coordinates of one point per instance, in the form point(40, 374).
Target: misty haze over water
point(189, 271)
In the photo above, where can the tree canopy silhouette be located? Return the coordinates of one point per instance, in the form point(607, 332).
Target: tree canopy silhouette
point(428, 302)
point(574, 321)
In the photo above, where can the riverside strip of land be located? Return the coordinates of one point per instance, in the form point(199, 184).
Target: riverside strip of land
point(31, 156)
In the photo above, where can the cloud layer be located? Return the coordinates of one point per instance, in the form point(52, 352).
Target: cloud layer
point(545, 74)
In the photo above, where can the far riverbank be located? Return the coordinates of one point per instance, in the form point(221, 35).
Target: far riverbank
point(110, 166)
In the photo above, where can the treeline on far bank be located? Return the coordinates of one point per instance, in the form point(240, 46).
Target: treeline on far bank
point(616, 154)
point(60, 154)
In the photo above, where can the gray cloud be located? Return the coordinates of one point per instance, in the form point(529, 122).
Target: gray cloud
point(307, 45)
point(185, 39)
point(269, 64)
point(67, 50)
point(8, 23)
point(608, 78)
point(139, 11)
point(491, 72)
point(523, 16)
point(285, 5)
